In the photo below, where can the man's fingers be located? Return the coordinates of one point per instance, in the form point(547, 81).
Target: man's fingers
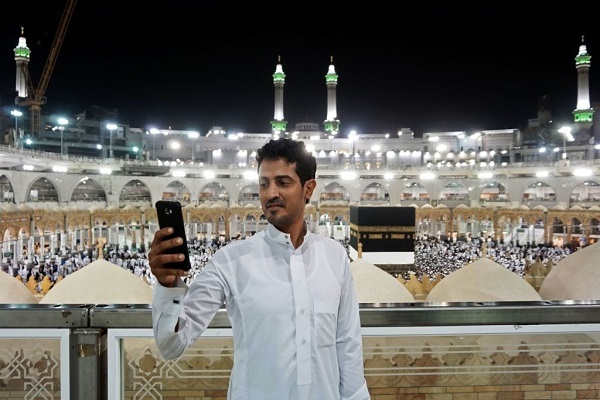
point(160, 234)
point(160, 261)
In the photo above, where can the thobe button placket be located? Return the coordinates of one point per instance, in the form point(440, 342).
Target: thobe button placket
point(302, 317)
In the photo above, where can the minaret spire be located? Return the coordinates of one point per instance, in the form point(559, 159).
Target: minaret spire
point(278, 125)
point(583, 113)
point(22, 55)
point(332, 124)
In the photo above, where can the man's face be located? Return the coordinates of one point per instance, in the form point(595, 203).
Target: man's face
point(282, 197)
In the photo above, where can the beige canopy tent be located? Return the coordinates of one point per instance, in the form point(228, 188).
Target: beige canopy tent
point(374, 285)
point(482, 280)
point(575, 277)
point(100, 282)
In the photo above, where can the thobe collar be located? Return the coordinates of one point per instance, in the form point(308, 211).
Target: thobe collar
point(284, 238)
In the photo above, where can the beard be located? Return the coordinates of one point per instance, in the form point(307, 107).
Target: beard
point(279, 217)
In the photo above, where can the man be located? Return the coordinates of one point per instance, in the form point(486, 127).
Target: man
point(289, 295)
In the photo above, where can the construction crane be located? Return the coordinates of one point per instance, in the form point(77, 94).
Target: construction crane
point(35, 96)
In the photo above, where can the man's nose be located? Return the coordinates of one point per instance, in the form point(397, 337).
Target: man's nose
point(272, 191)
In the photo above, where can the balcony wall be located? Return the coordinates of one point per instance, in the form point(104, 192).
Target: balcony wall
point(426, 351)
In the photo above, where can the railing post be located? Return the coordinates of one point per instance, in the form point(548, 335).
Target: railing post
point(88, 375)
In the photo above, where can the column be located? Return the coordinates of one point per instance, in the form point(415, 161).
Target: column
point(30, 247)
point(63, 243)
point(18, 253)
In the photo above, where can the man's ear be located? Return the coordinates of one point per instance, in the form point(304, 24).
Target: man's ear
point(309, 188)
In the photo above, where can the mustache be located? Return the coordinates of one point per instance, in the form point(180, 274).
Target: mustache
point(275, 202)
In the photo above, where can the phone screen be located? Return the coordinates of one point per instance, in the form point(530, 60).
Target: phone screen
point(170, 213)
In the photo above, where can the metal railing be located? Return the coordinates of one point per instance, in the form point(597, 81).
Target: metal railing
point(90, 360)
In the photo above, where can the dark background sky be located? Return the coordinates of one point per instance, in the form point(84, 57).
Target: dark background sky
point(186, 65)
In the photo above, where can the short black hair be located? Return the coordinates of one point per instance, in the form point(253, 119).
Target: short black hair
point(293, 151)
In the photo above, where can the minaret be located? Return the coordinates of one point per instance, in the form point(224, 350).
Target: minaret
point(22, 54)
point(583, 114)
point(332, 124)
point(278, 125)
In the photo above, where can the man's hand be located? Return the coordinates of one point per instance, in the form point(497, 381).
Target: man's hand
point(160, 261)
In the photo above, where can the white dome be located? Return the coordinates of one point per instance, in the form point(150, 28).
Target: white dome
point(575, 277)
point(483, 280)
point(374, 285)
point(13, 291)
point(100, 282)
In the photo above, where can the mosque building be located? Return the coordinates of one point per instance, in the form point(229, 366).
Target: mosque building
point(76, 195)
point(98, 180)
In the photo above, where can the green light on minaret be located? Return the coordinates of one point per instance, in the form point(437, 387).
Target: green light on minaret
point(332, 127)
point(279, 76)
point(583, 59)
point(22, 51)
point(278, 126)
point(331, 124)
point(331, 76)
point(583, 115)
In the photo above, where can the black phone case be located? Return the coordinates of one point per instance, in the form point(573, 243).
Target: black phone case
point(170, 213)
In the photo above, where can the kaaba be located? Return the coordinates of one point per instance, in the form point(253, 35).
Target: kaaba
point(386, 234)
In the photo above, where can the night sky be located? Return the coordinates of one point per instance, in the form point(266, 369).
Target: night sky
point(175, 66)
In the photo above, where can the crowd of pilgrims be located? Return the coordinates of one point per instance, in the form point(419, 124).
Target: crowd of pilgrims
point(432, 256)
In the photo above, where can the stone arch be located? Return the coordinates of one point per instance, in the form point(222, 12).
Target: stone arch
point(24, 232)
point(454, 191)
point(414, 191)
point(7, 193)
point(9, 233)
point(136, 193)
point(434, 221)
point(248, 194)
point(213, 192)
point(176, 190)
point(494, 192)
point(375, 193)
point(586, 193)
point(42, 190)
point(335, 225)
point(539, 191)
point(334, 191)
point(88, 190)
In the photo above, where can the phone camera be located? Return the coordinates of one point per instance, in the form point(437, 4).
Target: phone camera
point(168, 211)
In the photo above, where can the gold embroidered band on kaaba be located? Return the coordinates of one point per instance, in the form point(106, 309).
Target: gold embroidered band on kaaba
point(355, 227)
point(382, 232)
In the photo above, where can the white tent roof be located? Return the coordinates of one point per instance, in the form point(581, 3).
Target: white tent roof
point(374, 285)
point(483, 280)
point(12, 291)
point(100, 282)
point(575, 277)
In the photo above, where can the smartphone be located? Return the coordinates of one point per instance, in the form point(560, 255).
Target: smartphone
point(170, 213)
